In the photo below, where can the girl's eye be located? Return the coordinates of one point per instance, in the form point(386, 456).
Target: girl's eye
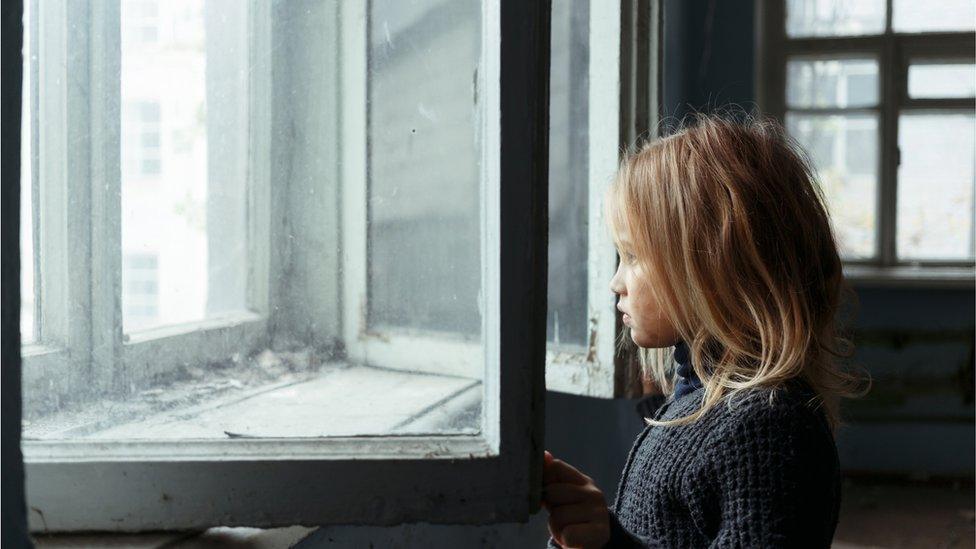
point(629, 257)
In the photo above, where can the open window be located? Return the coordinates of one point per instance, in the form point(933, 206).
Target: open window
point(282, 252)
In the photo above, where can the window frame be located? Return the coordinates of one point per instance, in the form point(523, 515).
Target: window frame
point(624, 77)
point(58, 178)
point(154, 485)
point(893, 51)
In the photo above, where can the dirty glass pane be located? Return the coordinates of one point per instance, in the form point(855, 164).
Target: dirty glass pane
point(28, 330)
point(941, 80)
point(844, 150)
point(935, 186)
point(184, 153)
point(942, 16)
point(185, 127)
point(834, 17)
point(424, 165)
point(823, 82)
point(568, 166)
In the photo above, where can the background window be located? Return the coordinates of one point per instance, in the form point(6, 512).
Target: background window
point(178, 203)
point(944, 16)
point(140, 290)
point(941, 80)
point(935, 185)
point(141, 153)
point(881, 94)
point(834, 17)
point(143, 18)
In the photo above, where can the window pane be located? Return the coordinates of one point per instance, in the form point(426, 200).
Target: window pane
point(941, 80)
point(945, 15)
point(935, 186)
point(143, 18)
point(831, 83)
point(184, 154)
point(424, 166)
point(141, 288)
point(28, 332)
point(568, 166)
point(834, 17)
point(844, 150)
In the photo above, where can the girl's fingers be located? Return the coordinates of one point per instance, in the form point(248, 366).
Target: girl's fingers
point(562, 493)
point(556, 536)
point(576, 513)
point(559, 471)
point(581, 535)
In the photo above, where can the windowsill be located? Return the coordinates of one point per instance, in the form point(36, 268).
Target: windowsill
point(176, 330)
point(910, 277)
point(336, 399)
point(220, 536)
point(30, 350)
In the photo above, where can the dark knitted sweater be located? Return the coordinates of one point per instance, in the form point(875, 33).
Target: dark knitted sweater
point(758, 475)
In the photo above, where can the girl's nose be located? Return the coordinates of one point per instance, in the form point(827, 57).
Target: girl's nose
point(615, 284)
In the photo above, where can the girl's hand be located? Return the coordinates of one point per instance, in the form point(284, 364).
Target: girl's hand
point(578, 515)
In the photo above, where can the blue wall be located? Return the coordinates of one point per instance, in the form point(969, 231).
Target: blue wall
point(708, 55)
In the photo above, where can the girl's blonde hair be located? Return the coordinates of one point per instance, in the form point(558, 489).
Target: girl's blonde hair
point(727, 221)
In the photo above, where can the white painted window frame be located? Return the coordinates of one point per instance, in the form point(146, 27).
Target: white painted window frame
point(615, 122)
point(494, 475)
point(55, 363)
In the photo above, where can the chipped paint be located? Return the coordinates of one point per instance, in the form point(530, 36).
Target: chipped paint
point(591, 355)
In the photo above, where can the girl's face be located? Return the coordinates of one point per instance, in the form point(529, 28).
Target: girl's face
point(649, 326)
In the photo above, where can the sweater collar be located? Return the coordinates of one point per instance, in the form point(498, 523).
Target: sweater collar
point(687, 381)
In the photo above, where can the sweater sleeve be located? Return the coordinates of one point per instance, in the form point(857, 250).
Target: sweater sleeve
point(620, 538)
point(777, 479)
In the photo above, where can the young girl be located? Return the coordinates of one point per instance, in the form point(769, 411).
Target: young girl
point(726, 254)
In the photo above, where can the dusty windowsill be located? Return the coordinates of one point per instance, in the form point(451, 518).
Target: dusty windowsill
point(238, 538)
point(333, 399)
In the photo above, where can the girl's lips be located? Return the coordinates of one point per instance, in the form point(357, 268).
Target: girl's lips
point(626, 318)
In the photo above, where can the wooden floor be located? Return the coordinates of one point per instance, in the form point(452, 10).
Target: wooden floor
point(895, 514)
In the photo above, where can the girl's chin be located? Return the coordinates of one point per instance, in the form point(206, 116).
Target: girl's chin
point(644, 342)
